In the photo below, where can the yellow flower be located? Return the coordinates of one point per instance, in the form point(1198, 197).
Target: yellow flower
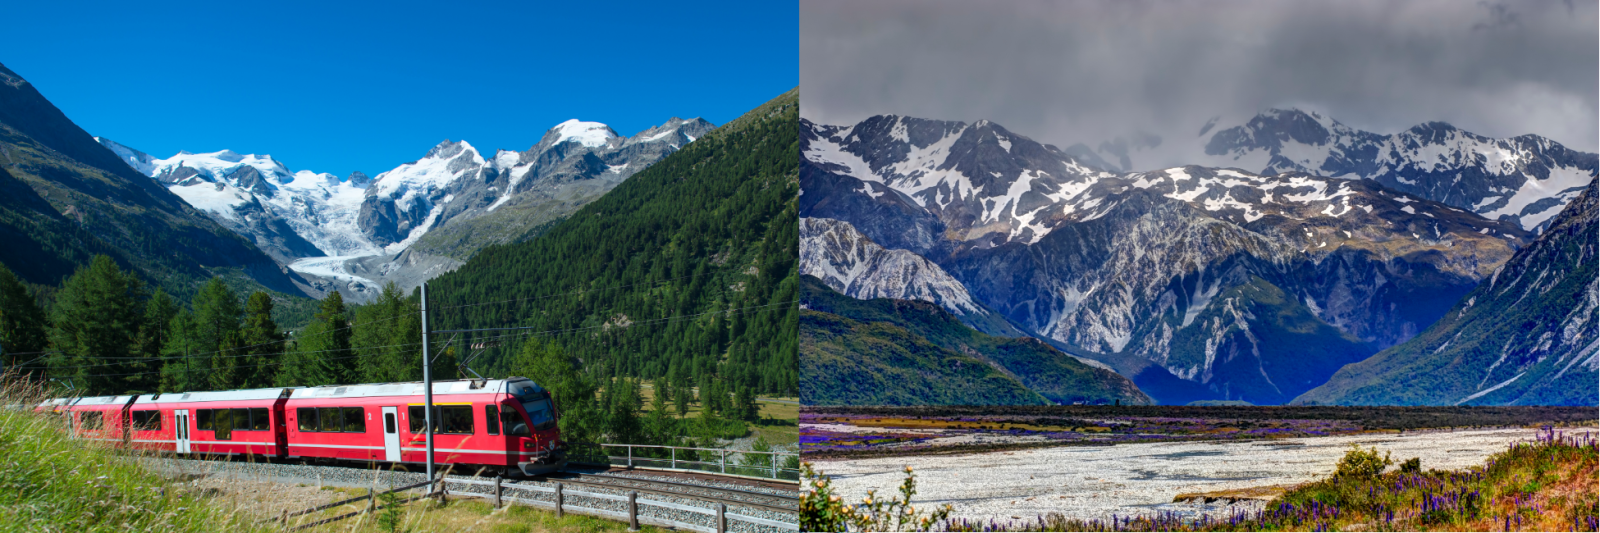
point(833, 498)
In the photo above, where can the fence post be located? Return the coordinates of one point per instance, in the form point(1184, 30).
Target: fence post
point(633, 511)
point(724, 462)
point(372, 499)
point(561, 499)
point(774, 457)
point(497, 480)
point(284, 518)
point(630, 456)
point(722, 518)
point(674, 457)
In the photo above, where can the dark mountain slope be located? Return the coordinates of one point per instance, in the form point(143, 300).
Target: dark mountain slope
point(142, 225)
point(1525, 336)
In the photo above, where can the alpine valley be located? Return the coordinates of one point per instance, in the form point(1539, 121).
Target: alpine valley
point(1203, 283)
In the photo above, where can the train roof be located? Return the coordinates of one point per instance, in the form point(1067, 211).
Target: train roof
point(412, 388)
point(216, 396)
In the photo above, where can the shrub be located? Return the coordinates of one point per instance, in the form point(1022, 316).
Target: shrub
point(822, 510)
point(1412, 466)
point(1358, 463)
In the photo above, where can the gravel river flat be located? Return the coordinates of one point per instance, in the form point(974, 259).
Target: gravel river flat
point(1090, 482)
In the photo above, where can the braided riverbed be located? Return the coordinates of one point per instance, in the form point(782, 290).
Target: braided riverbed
point(1091, 482)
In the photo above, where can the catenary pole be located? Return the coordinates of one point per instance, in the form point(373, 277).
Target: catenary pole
point(427, 383)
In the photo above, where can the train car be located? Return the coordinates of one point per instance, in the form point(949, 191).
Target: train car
point(223, 423)
point(101, 418)
point(505, 424)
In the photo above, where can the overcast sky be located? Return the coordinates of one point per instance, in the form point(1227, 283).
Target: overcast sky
point(1064, 72)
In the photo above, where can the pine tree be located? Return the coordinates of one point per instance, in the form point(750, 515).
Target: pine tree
point(387, 338)
point(622, 411)
point(321, 355)
point(94, 323)
point(574, 392)
point(745, 404)
point(336, 352)
point(262, 342)
point(217, 313)
point(182, 370)
point(659, 427)
point(22, 323)
point(152, 340)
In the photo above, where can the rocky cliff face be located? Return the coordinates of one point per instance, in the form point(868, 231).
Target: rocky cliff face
point(1525, 336)
point(850, 263)
point(1208, 283)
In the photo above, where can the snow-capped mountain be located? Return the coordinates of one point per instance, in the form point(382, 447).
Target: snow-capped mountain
point(1525, 179)
point(1200, 283)
point(360, 232)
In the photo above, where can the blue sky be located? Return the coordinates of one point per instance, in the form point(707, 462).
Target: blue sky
point(344, 86)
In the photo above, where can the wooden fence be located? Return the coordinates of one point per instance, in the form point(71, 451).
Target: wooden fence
point(720, 515)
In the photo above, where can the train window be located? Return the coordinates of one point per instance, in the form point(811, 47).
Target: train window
point(147, 421)
point(415, 415)
point(222, 419)
point(91, 420)
point(308, 418)
point(539, 414)
point(491, 418)
point(355, 420)
point(202, 419)
point(241, 419)
point(457, 419)
point(515, 426)
point(258, 419)
point(388, 422)
point(330, 418)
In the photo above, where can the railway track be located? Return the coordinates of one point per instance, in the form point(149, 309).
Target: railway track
point(776, 502)
point(698, 491)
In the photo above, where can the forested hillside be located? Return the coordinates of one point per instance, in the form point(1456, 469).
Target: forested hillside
point(685, 274)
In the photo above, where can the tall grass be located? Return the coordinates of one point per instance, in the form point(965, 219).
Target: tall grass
point(49, 482)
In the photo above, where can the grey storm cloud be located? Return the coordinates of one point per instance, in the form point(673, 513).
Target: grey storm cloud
point(1089, 71)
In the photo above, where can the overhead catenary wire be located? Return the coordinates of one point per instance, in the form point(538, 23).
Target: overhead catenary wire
point(579, 291)
point(766, 307)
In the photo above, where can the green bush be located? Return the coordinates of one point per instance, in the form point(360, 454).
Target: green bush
point(1358, 463)
point(1412, 466)
point(822, 510)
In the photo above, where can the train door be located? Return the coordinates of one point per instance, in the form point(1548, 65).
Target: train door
point(391, 434)
point(180, 428)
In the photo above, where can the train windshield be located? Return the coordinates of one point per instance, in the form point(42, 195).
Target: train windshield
point(535, 400)
point(539, 413)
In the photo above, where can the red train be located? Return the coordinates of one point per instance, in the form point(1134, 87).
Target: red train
point(501, 423)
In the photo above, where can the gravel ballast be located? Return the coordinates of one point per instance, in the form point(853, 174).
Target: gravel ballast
point(345, 476)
